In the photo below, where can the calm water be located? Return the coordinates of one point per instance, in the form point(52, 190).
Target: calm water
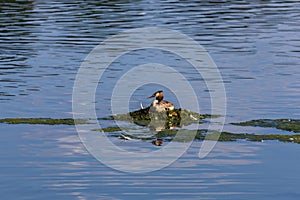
point(255, 44)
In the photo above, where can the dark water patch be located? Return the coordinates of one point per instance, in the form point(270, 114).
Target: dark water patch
point(33, 89)
point(11, 80)
point(4, 99)
point(6, 94)
point(23, 94)
point(283, 124)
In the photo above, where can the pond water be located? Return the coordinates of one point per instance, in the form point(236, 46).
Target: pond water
point(255, 44)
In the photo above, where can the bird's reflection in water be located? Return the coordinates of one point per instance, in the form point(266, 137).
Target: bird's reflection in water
point(155, 126)
point(160, 123)
point(157, 142)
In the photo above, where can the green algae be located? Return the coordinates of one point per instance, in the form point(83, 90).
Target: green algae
point(204, 134)
point(227, 137)
point(181, 135)
point(112, 129)
point(46, 121)
point(108, 129)
point(292, 125)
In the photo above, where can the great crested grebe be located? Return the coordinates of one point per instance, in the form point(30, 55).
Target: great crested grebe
point(159, 104)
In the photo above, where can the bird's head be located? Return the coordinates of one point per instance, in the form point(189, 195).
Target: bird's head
point(158, 95)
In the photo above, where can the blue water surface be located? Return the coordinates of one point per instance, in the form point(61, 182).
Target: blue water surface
point(255, 45)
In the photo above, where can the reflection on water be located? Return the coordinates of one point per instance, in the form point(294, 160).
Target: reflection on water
point(255, 44)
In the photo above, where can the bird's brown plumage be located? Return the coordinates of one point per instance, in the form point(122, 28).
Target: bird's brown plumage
point(159, 103)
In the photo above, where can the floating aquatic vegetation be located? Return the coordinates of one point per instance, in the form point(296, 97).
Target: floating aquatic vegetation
point(226, 136)
point(46, 121)
point(182, 135)
point(112, 129)
point(109, 129)
point(282, 124)
point(177, 117)
point(201, 134)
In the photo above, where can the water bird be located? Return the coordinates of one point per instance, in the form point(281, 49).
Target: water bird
point(159, 104)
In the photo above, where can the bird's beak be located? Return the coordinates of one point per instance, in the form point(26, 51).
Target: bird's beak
point(153, 95)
